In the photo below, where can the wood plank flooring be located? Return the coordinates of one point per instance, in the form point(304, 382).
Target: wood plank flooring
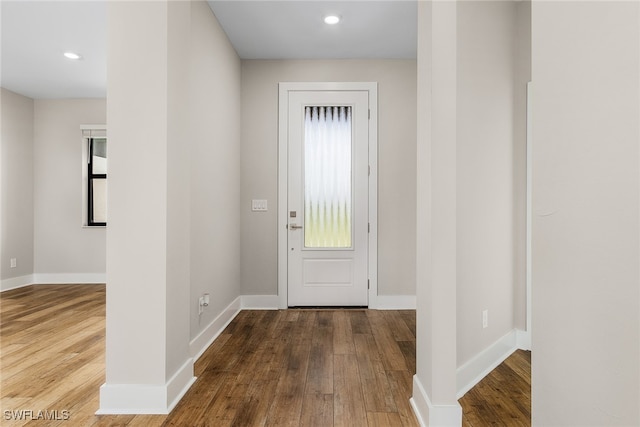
point(502, 398)
point(51, 352)
point(267, 368)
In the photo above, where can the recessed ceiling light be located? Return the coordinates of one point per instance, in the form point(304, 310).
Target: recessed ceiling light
point(72, 55)
point(331, 19)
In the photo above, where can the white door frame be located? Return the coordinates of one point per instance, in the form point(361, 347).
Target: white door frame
point(283, 143)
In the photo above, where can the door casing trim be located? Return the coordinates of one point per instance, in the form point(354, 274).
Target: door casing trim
point(283, 141)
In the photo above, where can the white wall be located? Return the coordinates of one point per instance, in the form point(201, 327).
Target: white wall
point(522, 75)
point(397, 176)
point(17, 186)
point(586, 231)
point(178, 197)
point(215, 167)
point(64, 249)
point(485, 173)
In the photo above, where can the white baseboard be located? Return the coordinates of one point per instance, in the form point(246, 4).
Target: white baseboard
point(69, 278)
point(395, 302)
point(432, 415)
point(523, 339)
point(382, 302)
point(204, 339)
point(16, 282)
point(146, 399)
point(180, 383)
point(53, 279)
point(472, 372)
point(260, 302)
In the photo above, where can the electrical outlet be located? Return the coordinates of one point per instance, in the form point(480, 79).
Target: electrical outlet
point(14, 263)
point(203, 302)
point(485, 319)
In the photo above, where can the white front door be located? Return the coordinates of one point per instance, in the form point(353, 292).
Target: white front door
point(327, 198)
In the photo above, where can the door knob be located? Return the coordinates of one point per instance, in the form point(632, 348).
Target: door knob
point(294, 226)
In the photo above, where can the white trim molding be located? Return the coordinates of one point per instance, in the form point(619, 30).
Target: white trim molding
point(373, 193)
point(260, 302)
point(529, 211)
point(53, 279)
point(146, 399)
point(429, 414)
point(472, 372)
point(394, 302)
point(99, 127)
point(383, 302)
point(523, 340)
point(283, 106)
point(204, 339)
point(69, 278)
point(16, 282)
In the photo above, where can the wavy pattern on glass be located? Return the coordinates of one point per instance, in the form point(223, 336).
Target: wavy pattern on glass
point(327, 177)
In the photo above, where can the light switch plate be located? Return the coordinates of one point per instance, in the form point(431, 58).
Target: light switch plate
point(259, 205)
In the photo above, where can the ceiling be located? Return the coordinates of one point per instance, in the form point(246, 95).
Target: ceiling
point(295, 29)
point(35, 34)
point(34, 37)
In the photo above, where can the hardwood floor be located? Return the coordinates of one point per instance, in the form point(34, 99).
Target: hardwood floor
point(52, 352)
point(267, 368)
point(502, 398)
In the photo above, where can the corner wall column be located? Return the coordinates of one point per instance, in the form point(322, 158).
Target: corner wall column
point(434, 386)
point(148, 365)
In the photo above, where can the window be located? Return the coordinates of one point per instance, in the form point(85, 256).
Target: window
point(94, 172)
point(97, 185)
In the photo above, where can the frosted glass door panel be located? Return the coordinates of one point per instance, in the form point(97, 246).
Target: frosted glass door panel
point(327, 177)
